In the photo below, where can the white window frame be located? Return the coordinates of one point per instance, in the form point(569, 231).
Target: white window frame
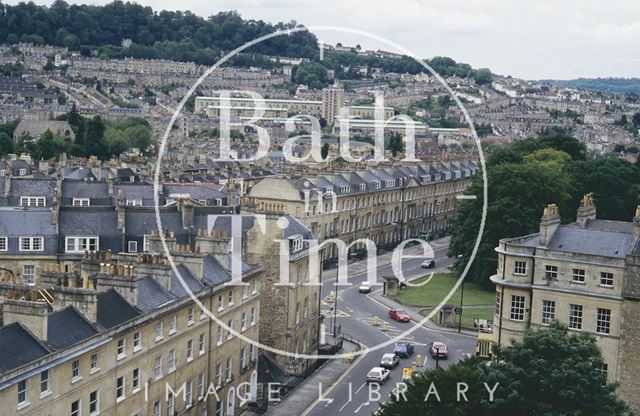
point(520, 268)
point(603, 321)
point(157, 367)
point(171, 361)
point(4, 243)
point(33, 243)
point(548, 311)
point(23, 390)
point(191, 315)
point(45, 383)
point(498, 303)
point(135, 380)
point(75, 371)
point(137, 341)
point(578, 275)
point(159, 331)
point(173, 325)
point(121, 389)
point(575, 316)
point(29, 276)
point(606, 279)
point(96, 403)
point(551, 272)
point(121, 349)
point(132, 246)
point(189, 350)
point(81, 202)
point(78, 411)
point(80, 244)
point(33, 201)
point(517, 311)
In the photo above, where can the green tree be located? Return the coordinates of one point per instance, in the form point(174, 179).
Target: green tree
point(324, 152)
point(565, 382)
point(615, 183)
point(517, 195)
point(6, 144)
point(395, 143)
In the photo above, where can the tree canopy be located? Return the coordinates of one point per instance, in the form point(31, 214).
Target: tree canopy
point(525, 177)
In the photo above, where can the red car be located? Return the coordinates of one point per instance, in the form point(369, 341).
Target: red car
point(399, 315)
point(438, 349)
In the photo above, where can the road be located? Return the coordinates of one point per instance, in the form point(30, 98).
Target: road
point(356, 311)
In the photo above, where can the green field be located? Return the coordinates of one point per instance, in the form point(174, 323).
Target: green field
point(479, 301)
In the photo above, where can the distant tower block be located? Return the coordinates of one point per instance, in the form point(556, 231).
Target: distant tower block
point(331, 102)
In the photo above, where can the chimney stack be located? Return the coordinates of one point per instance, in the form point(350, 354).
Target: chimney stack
point(549, 224)
point(586, 210)
point(33, 315)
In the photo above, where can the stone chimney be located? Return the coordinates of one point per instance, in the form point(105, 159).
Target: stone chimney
point(549, 223)
point(7, 181)
point(33, 315)
point(109, 182)
point(636, 225)
point(187, 210)
point(586, 210)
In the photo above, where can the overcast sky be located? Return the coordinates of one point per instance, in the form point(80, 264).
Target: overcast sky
point(528, 39)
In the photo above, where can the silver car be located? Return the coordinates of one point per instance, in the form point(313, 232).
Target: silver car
point(389, 361)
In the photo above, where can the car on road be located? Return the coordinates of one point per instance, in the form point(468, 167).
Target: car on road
point(389, 361)
point(429, 263)
point(438, 350)
point(403, 349)
point(365, 287)
point(399, 315)
point(378, 375)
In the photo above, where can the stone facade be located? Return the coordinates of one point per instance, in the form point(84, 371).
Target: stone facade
point(583, 274)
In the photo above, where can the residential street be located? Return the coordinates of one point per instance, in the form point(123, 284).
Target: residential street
point(355, 315)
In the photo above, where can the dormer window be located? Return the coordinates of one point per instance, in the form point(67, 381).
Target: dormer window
point(80, 244)
point(328, 191)
point(390, 184)
point(363, 187)
point(22, 172)
point(426, 178)
point(376, 184)
point(447, 175)
point(295, 243)
point(134, 202)
point(81, 202)
point(345, 189)
point(438, 177)
point(33, 201)
point(2, 172)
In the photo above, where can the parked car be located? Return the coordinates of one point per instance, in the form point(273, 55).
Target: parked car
point(399, 315)
point(365, 287)
point(378, 375)
point(428, 263)
point(403, 349)
point(389, 361)
point(438, 349)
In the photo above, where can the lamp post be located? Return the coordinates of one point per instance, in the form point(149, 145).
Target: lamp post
point(461, 309)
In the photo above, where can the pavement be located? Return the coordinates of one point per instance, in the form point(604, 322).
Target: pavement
point(319, 384)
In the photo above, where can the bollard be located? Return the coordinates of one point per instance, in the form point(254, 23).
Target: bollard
point(419, 361)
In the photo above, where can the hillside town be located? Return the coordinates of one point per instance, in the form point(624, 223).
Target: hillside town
point(255, 234)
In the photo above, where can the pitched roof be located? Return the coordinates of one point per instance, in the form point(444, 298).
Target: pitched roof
point(113, 309)
point(19, 346)
point(68, 326)
point(152, 294)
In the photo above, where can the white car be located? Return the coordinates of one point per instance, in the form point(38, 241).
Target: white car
point(428, 263)
point(389, 361)
point(365, 287)
point(378, 375)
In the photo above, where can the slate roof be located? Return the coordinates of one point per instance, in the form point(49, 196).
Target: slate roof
point(19, 346)
point(576, 239)
point(177, 288)
point(152, 294)
point(113, 309)
point(67, 327)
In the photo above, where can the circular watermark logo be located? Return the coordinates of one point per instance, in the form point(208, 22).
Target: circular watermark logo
point(263, 146)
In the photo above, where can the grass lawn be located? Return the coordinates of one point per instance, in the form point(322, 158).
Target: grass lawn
point(479, 301)
point(433, 292)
